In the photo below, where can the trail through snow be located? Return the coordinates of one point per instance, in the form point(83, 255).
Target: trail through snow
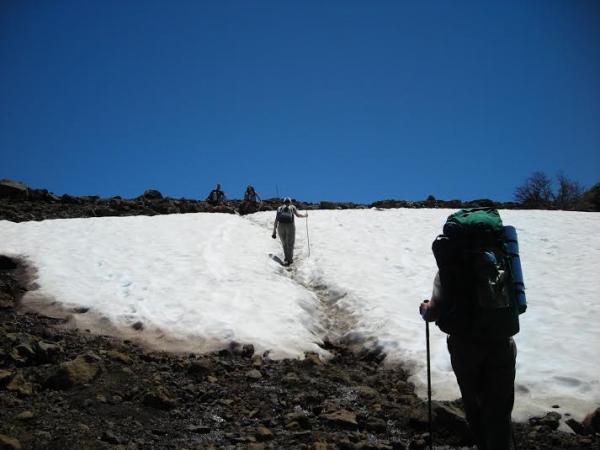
point(203, 280)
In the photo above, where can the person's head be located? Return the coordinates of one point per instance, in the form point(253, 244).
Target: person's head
point(218, 187)
point(287, 201)
point(250, 188)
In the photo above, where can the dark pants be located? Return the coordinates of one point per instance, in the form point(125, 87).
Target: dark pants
point(485, 372)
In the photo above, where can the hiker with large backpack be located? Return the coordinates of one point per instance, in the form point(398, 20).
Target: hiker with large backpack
point(216, 196)
point(284, 225)
point(477, 297)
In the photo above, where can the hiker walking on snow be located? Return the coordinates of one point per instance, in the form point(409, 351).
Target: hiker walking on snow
point(478, 294)
point(284, 224)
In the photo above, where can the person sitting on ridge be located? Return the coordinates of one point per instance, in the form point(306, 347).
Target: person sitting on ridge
point(284, 224)
point(251, 202)
point(216, 196)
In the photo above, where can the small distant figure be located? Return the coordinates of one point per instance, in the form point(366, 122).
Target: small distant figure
point(284, 224)
point(216, 196)
point(251, 203)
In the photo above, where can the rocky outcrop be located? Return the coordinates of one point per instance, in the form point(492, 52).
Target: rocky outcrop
point(152, 194)
point(160, 399)
point(592, 421)
point(13, 190)
point(9, 443)
point(341, 418)
point(81, 370)
point(18, 203)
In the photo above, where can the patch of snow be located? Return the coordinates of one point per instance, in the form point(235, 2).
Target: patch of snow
point(208, 277)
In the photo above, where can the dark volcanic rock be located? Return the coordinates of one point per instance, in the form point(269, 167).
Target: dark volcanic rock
point(119, 356)
point(47, 352)
point(577, 427)
point(70, 200)
point(6, 301)
point(13, 190)
point(152, 194)
point(550, 420)
point(5, 376)
point(480, 203)
point(41, 195)
point(448, 415)
point(160, 399)
point(200, 367)
point(20, 385)
point(592, 421)
point(328, 205)
point(78, 371)
point(19, 203)
point(110, 437)
point(9, 443)
point(7, 263)
point(254, 374)
point(343, 418)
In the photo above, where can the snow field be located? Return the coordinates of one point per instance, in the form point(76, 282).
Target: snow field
point(207, 279)
point(200, 278)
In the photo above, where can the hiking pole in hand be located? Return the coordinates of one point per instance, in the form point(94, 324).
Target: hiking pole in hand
point(307, 236)
point(429, 383)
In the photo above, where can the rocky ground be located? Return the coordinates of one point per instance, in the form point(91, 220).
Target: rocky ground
point(67, 388)
point(19, 203)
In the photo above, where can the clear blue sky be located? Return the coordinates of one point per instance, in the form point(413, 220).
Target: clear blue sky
point(327, 100)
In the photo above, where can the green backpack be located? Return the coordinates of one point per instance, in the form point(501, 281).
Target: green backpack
point(475, 274)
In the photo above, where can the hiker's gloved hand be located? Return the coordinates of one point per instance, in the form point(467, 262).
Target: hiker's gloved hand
point(427, 311)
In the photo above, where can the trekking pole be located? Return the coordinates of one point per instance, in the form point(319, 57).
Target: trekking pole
point(307, 236)
point(429, 384)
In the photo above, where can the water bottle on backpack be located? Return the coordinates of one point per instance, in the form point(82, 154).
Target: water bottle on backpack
point(512, 247)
